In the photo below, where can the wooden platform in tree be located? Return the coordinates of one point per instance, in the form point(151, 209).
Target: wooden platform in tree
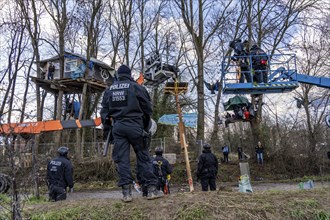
point(70, 86)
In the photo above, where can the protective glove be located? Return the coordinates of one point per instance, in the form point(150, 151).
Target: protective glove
point(146, 139)
point(168, 177)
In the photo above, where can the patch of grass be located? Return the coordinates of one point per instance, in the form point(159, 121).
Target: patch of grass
point(5, 207)
point(118, 205)
point(311, 203)
point(34, 200)
point(4, 215)
point(4, 198)
point(117, 211)
point(73, 213)
point(322, 215)
point(120, 210)
point(307, 209)
point(298, 214)
point(305, 204)
point(190, 206)
point(192, 213)
point(64, 214)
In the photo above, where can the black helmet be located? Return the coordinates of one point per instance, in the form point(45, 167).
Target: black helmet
point(234, 42)
point(206, 146)
point(63, 151)
point(159, 151)
point(255, 46)
point(124, 70)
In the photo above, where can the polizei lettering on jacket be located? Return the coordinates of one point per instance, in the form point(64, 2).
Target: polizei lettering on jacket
point(118, 94)
point(120, 86)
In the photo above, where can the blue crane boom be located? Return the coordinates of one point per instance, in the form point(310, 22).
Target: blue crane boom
point(323, 82)
point(281, 74)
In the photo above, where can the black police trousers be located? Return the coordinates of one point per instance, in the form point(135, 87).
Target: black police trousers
point(56, 193)
point(208, 180)
point(127, 132)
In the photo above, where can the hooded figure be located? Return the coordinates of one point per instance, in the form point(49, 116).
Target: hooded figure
point(207, 168)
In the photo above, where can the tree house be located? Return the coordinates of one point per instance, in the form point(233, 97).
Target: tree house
point(77, 72)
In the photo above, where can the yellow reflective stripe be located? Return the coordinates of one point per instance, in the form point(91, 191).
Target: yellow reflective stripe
point(256, 85)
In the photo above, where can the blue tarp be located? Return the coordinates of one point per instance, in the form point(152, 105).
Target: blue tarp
point(79, 72)
point(189, 119)
point(76, 109)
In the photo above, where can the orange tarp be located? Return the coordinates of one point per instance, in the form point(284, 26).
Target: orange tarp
point(140, 80)
point(41, 126)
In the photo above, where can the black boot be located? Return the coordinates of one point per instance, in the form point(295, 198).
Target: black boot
point(144, 190)
point(153, 193)
point(127, 193)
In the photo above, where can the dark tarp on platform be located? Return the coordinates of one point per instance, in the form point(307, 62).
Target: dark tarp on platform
point(237, 100)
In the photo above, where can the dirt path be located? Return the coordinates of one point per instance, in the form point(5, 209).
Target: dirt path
point(116, 194)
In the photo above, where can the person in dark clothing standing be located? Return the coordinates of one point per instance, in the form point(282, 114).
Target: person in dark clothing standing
point(240, 153)
point(162, 169)
point(51, 70)
point(225, 151)
point(259, 64)
point(207, 168)
point(129, 106)
point(259, 153)
point(241, 58)
point(59, 175)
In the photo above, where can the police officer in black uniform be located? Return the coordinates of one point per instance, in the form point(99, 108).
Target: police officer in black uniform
point(207, 168)
point(59, 175)
point(129, 106)
point(162, 169)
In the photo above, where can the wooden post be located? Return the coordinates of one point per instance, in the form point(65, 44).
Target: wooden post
point(176, 90)
point(79, 148)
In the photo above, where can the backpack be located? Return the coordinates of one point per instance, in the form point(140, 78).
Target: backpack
point(158, 169)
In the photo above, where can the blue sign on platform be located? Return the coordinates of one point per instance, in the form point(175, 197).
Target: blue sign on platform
point(189, 119)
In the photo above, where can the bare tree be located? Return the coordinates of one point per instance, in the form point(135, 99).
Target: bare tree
point(314, 61)
point(269, 23)
point(91, 21)
point(29, 8)
point(195, 24)
point(116, 36)
point(17, 44)
point(57, 10)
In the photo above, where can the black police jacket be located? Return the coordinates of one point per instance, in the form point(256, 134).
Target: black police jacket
point(161, 167)
point(126, 99)
point(257, 56)
point(207, 164)
point(60, 172)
